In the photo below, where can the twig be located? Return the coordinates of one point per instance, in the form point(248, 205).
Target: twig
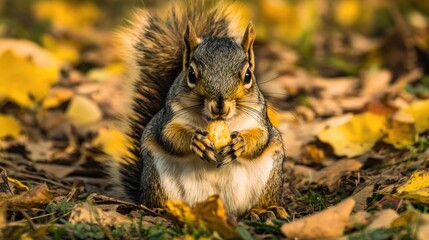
point(43, 179)
point(29, 220)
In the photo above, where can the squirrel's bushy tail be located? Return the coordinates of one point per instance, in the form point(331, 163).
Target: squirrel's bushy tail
point(154, 49)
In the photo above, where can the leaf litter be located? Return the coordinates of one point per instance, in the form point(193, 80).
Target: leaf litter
point(353, 116)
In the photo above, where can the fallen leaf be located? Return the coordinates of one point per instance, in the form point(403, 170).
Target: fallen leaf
point(383, 219)
point(38, 196)
point(358, 219)
point(107, 72)
point(405, 219)
point(29, 50)
point(59, 171)
point(401, 133)
point(10, 127)
point(61, 15)
point(23, 79)
point(40, 151)
point(65, 50)
point(113, 142)
point(415, 188)
point(313, 154)
point(18, 184)
point(335, 87)
point(211, 213)
point(3, 220)
point(56, 96)
point(82, 111)
point(420, 112)
point(93, 214)
point(357, 136)
point(362, 196)
point(182, 211)
point(328, 223)
point(423, 230)
point(330, 176)
point(376, 83)
point(347, 12)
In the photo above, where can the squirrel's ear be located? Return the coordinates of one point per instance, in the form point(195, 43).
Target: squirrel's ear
point(191, 42)
point(247, 44)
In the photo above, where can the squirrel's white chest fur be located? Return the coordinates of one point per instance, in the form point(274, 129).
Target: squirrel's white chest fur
point(240, 184)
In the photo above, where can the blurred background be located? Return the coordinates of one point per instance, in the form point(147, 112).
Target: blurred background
point(61, 76)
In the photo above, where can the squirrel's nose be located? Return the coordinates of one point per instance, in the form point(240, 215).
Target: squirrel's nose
point(219, 108)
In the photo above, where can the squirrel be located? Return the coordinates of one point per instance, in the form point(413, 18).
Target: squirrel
point(195, 66)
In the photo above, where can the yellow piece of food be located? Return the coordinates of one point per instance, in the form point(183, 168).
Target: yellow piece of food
point(218, 133)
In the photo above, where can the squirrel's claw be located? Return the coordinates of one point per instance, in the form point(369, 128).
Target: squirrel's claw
point(202, 146)
point(273, 212)
point(233, 150)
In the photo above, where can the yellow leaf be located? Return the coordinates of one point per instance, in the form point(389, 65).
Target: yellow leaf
point(83, 111)
point(182, 211)
point(287, 19)
point(420, 112)
point(357, 136)
point(18, 184)
point(64, 50)
point(401, 132)
point(101, 74)
point(416, 188)
point(406, 219)
point(211, 213)
point(62, 14)
point(23, 81)
point(113, 142)
point(347, 12)
point(56, 97)
point(9, 126)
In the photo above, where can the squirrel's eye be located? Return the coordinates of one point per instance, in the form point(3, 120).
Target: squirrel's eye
point(192, 77)
point(247, 77)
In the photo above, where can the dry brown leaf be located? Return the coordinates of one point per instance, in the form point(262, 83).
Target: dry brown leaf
point(423, 231)
point(335, 87)
point(328, 223)
point(362, 196)
point(38, 196)
point(331, 176)
point(56, 170)
point(358, 219)
point(40, 151)
point(376, 83)
point(383, 219)
point(88, 213)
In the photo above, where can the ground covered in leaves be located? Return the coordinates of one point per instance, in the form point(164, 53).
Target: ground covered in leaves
point(347, 83)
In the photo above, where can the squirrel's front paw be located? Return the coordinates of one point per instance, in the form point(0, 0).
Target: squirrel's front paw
point(233, 150)
point(202, 146)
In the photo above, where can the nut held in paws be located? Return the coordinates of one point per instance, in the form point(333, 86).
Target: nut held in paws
point(218, 133)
